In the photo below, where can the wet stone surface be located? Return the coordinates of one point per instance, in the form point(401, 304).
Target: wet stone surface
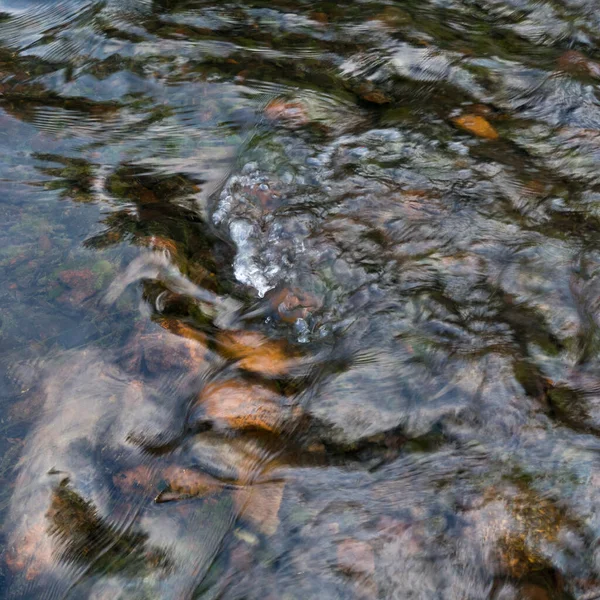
point(299, 300)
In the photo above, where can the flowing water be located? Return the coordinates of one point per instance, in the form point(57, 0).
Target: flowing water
point(300, 299)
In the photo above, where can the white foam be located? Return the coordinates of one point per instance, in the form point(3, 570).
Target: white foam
point(246, 266)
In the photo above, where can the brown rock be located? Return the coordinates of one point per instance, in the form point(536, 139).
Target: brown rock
point(476, 125)
point(242, 75)
point(241, 460)
point(240, 405)
point(260, 504)
point(163, 351)
point(376, 97)
point(255, 352)
point(188, 483)
point(577, 63)
point(241, 558)
point(28, 408)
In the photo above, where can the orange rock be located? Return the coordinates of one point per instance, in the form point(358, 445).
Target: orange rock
point(476, 125)
point(243, 406)
point(356, 557)
point(260, 504)
point(255, 352)
point(188, 483)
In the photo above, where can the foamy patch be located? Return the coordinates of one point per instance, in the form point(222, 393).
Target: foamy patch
point(246, 265)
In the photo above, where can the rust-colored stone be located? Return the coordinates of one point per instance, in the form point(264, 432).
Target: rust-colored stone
point(240, 405)
point(188, 483)
point(376, 97)
point(477, 125)
point(255, 352)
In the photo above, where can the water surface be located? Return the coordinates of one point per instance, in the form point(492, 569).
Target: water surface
point(300, 299)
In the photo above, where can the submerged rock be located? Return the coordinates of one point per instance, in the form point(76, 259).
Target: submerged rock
point(63, 500)
point(257, 353)
point(239, 405)
point(477, 125)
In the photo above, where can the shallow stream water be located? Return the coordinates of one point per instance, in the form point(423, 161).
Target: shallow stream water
point(300, 299)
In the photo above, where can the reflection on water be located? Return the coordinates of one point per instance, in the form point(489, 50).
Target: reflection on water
point(299, 300)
